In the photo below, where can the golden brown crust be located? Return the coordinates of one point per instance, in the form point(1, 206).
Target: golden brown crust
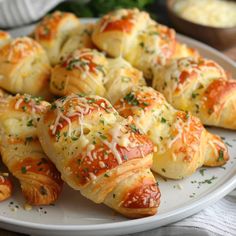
point(100, 154)
point(88, 71)
point(133, 35)
point(53, 31)
point(200, 86)
point(24, 67)
point(183, 145)
point(40, 181)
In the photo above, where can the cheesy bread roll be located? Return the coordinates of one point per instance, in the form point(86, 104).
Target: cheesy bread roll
point(182, 143)
point(5, 187)
point(79, 39)
point(201, 86)
point(135, 36)
point(53, 31)
point(4, 38)
point(88, 71)
point(24, 68)
point(21, 150)
point(101, 154)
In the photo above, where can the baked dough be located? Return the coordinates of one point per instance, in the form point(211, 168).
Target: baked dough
point(201, 86)
point(182, 143)
point(21, 151)
point(101, 154)
point(24, 68)
point(135, 36)
point(53, 31)
point(88, 72)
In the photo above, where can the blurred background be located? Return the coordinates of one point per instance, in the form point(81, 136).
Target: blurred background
point(15, 14)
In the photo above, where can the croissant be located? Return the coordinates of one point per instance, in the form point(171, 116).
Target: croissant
point(22, 153)
point(201, 86)
point(53, 31)
point(101, 154)
point(88, 71)
point(135, 36)
point(182, 143)
point(81, 38)
point(24, 68)
point(4, 38)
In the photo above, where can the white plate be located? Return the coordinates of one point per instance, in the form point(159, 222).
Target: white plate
point(75, 215)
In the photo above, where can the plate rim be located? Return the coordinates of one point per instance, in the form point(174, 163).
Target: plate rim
point(168, 217)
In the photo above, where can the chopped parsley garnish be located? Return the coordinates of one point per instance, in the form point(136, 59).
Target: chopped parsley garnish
point(91, 100)
point(103, 136)
point(106, 175)
point(163, 120)
point(228, 144)
point(74, 138)
point(53, 106)
point(24, 108)
point(26, 99)
point(187, 115)
point(30, 123)
point(131, 99)
point(134, 128)
point(141, 44)
point(23, 170)
point(145, 104)
point(102, 121)
point(101, 69)
point(207, 181)
point(221, 155)
point(194, 95)
point(202, 171)
point(71, 64)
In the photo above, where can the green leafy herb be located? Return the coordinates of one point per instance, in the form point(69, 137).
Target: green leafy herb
point(134, 128)
point(103, 137)
point(194, 95)
point(221, 155)
point(163, 120)
point(24, 108)
point(131, 99)
point(207, 181)
point(30, 123)
point(141, 44)
point(53, 106)
point(202, 171)
point(23, 170)
point(228, 144)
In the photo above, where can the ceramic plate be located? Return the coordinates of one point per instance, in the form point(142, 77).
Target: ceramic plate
point(75, 215)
